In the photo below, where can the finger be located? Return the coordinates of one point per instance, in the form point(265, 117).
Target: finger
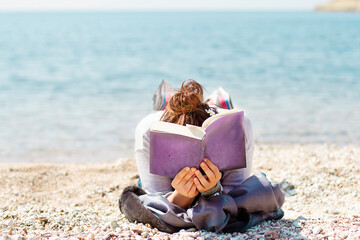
point(188, 185)
point(208, 172)
point(198, 185)
point(202, 180)
point(189, 174)
point(192, 190)
point(213, 168)
point(180, 175)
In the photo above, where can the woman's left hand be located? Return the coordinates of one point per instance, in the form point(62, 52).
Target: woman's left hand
point(213, 176)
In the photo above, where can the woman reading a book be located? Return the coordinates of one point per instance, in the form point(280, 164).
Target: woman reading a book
point(205, 198)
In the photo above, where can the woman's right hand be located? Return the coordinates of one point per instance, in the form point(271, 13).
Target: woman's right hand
point(185, 189)
point(183, 183)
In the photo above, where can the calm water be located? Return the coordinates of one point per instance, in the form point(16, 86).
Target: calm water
point(74, 85)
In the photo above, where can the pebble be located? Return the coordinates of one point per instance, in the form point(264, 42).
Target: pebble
point(114, 225)
point(18, 237)
point(189, 234)
point(6, 237)
point(299, 218)
point(61, 221)
point(296, 224)
point(271, 235)
point(138, 229)
point(236, 238)
point(355, 237)
point(291, 192)
point(317, 230)
point(191, 230)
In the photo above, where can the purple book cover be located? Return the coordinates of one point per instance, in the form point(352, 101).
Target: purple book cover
point(223, 144)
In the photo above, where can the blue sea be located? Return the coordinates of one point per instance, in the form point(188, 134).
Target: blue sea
point(73, 86)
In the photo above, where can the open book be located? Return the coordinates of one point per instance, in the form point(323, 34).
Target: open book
point(221, 139)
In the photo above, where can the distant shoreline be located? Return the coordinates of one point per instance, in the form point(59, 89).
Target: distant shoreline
point(154, 12)
point(340, 6)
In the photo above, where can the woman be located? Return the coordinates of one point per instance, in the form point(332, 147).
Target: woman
point(192, 199)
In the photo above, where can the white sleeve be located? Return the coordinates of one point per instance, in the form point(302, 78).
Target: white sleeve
point(151, 183)
point(232, 178)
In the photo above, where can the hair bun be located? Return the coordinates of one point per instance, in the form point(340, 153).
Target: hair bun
point(186, 106)
point(187, 99)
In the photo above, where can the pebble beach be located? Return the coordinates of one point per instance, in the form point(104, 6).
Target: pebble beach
point(80, 201)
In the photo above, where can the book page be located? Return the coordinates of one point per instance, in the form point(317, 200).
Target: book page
point(188, 130)
point(210, 120)
point(225, 142)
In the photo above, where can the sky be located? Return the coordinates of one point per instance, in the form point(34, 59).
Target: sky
point(156, 5)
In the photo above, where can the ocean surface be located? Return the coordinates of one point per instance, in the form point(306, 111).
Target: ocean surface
point(73, 86)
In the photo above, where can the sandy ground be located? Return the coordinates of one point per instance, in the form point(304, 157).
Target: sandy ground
point(56, 201)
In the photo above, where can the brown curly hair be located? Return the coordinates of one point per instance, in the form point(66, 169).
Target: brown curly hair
point(186, 106)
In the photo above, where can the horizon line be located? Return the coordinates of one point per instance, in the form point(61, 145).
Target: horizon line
point(147, 10)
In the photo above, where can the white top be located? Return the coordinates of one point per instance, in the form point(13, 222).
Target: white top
point(153, 183)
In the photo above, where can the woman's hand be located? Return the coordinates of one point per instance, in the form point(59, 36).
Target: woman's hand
point(185, 189)
point(183, 183)
point(213, 176)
